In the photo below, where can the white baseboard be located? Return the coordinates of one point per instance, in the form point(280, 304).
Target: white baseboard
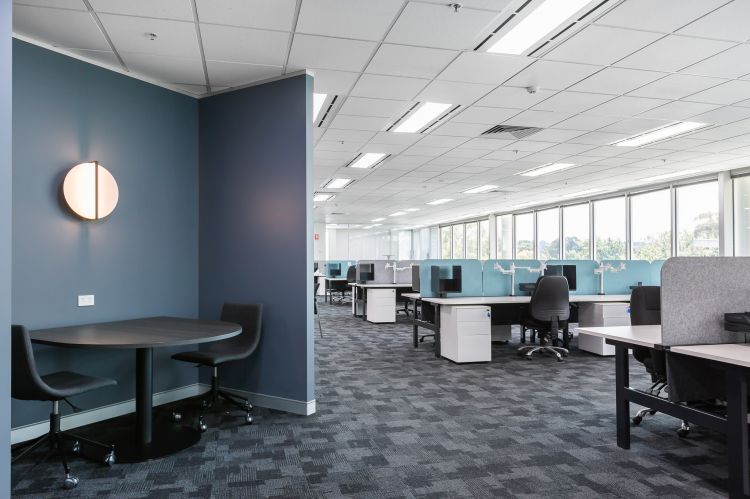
point(304, 408)
point(70, 421)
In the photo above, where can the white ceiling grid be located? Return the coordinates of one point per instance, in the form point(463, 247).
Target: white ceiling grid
point(631, 66)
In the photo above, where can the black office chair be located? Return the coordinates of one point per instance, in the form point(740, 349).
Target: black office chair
point(548, 314)
point(315, 306)
point(351, 274)
point(218, 353)
point(27, 384)
point(341, 287)
point(645, 310)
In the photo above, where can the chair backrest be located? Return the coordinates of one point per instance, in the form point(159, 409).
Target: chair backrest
point(550, 299)
point(249, 316)
point(351, 274)
point(645, 306)
point(26, 384)
point(315, 296)
point(338, 286)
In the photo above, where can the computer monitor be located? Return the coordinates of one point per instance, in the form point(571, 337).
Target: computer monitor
point(366, 272)
point(441, 286)
point(334, 269)
point(335, 272)
point(567, 271)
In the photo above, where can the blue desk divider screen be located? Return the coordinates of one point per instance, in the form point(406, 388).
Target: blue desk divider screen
point(331, 264)
point(619, 280)
point(471, 276)
point(495, 283)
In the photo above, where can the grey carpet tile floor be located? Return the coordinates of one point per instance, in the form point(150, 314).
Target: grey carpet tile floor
point(393, 421)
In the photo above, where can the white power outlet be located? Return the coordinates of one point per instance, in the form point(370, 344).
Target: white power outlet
point(85, 300)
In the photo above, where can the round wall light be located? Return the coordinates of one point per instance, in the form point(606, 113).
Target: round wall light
point(90, 191)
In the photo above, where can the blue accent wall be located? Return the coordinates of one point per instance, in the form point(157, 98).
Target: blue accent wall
point(5, 241)
point(140, 261)
point(256, 227)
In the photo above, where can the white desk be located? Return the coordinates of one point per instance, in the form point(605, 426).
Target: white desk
point(645, 336)
point(326, 286)
point(736, 354)
point(500, 300)
point(376, 302)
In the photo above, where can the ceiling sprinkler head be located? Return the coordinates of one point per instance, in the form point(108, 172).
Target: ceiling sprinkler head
point(152, 36)
point(456, 6)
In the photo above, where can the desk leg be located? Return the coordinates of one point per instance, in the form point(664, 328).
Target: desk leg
point(364, 304)
point(737, 433)
point(436, 309)
point(622, 380)
point(144, 393)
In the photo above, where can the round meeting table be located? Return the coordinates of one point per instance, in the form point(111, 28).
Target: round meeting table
point(143, 335)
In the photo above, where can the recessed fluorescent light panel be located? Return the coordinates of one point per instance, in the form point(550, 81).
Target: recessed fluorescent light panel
point(661, 133)
point(411, 209)
point(322, 196)
point(421, 117)
point(440, 201)
point(397, 214)
point(318, 101)
point(666, 176)
point(378, 219)
point(544, 170)
point(338, 183)
point(481, 189)
point(548, 16)
point(367, 160)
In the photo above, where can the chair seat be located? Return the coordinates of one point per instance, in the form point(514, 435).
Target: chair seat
point(208, 358)
point(66, 384)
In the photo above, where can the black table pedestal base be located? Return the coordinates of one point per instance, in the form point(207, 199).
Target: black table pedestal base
point(168, 439)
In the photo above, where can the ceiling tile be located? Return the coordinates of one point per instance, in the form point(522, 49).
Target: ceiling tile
point(722, 23)
point(601, 45)
point(514, 98)
point(731, 63)
point(278, 14)
point(233, 74)
point(348, 135)
point(664, 16)
point(180, 10)
point(105, 57)
point(626, 106)
point(453, 92)
point(195, 90)
point(360, 19)
point(572, 102)
point(726, 93)
point(384, 108)
point(678, 110)
point(170, 69)
point(586, 122)
point(461, 129)
point(676, 86)
point(61, 28)
point(552, 75)
point(59, 4)
point(616, 81)
point(388, 87)
point(438, 26)
point(359, 123)
point(402, 60)
point(723, 115)
point(310, 51)
point(535, 118)
point(485, 115)
point(673, 53)
point(481, 67)
point(634, 125)
point(129, 34)
point(333, 82)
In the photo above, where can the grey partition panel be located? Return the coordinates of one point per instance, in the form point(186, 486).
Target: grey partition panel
point(403, 271)
point(695, 295)
point(382, 274)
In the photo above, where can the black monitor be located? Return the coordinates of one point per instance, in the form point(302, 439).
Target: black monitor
point(366, 272)
point(334, 269)
point(567, 271)
point(336, 272)
point(441, 286)
point(415, 278)
point(315, 266)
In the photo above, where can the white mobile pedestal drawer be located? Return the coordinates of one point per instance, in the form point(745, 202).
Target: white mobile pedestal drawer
point(381, 305)
point(598, 315)
point(465, 333)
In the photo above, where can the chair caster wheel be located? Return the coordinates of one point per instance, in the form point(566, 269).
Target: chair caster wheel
point(76, 449)
point(637, 420)
point(202, 426)
point(70, 482)
point(176, 417)
point(110, 459)
point(560, 359)
point(652, 412)
point(682, 433)
point(248, 419)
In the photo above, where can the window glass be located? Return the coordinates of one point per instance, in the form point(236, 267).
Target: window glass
point(525, 236)
point(458, 241)
point(445, 242)
point(472, 242)
point(741, 216)
point(651, 226)
point(609, 229)
point(576, 232)
point(548, 234)
point(484, 240)
point(698, 220)
point(504, 224)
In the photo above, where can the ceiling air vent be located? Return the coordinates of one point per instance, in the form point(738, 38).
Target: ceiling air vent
point(516, 132)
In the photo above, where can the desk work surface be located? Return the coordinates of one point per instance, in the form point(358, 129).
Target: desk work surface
point(647, 336)
point(411, 296)
point(334, 278)
point(381, 285)
point(736, 354)
point(138, 333)
point(498, 300)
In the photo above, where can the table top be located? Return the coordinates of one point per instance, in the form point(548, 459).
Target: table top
point(327, 278)
point(137, 333)
point(646, 336)
point(411, 296)
point(737, 354)
point(497, 300)
point(381, 285)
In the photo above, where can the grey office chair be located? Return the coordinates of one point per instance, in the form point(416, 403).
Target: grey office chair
point(28, 384)
point(218, 353)
point(548, 314)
